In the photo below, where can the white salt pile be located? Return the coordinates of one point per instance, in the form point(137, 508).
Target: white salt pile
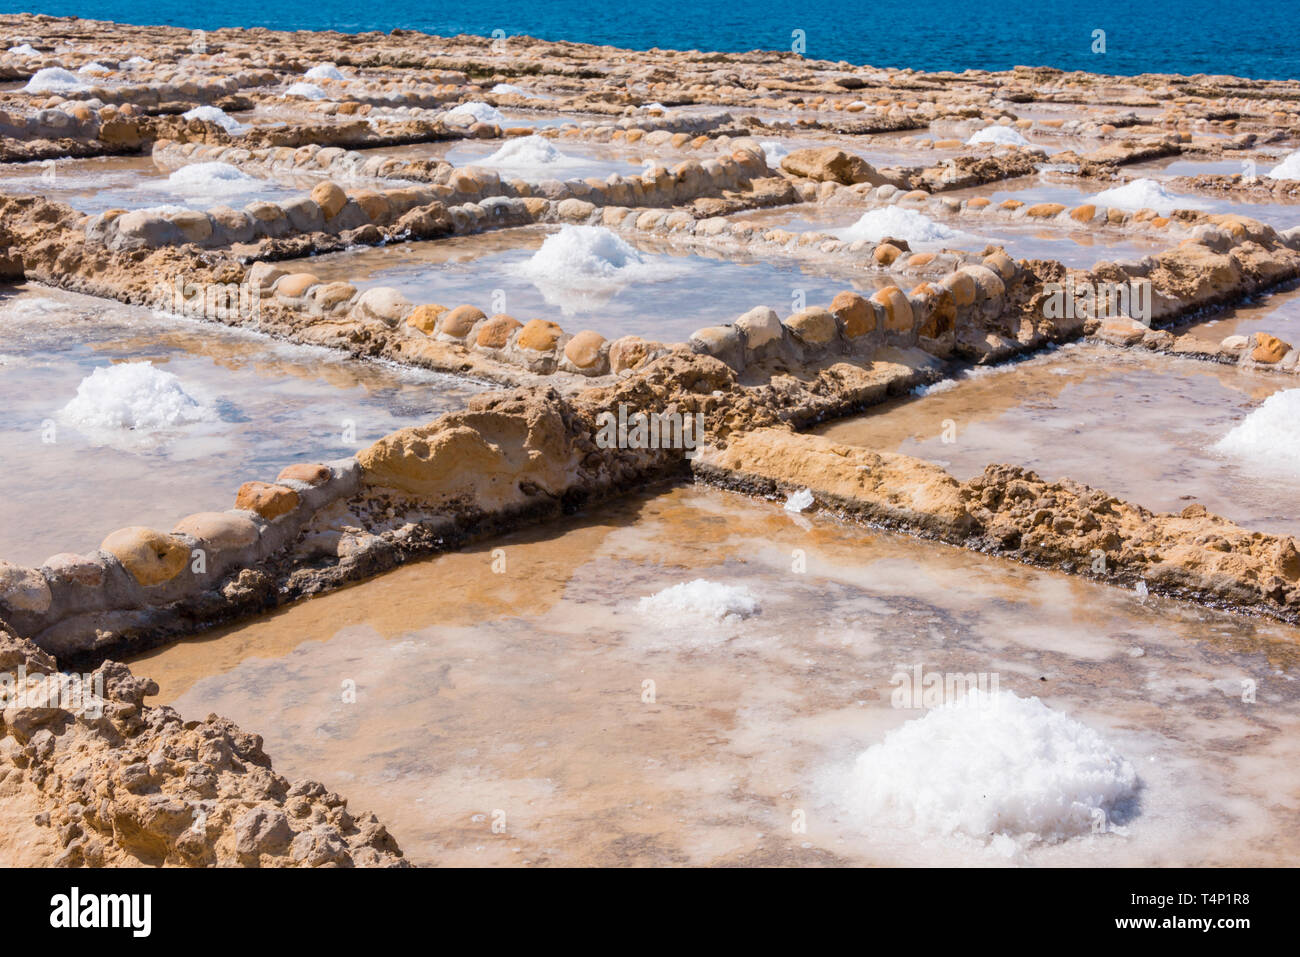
point(582, 254)
point(525, 153)
point(1289, 168)
point(24, 49)
point(774, 151)
point(1268, 440)
point(138, 62)
point(307, 91)
point(135, 396)
point(212, 181)
point(215, 114)
point(1143, 194)
point(891, 222)
point(701, 599)
point(324, 71)
point(998, 136)
point(477, 112)
point(799, 501)
point(509, 88)
point(991, 766)
point(54, 79)
point(94, 69)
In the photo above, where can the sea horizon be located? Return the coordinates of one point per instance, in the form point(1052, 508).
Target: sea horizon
point(1135, 38)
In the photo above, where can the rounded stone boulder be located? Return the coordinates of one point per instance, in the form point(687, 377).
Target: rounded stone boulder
point(495, 332)
point(269, 501)
point(813, 326)
point(295, 284)
point(586, 352)
point(23, 589)
point(222, 530)
point(989, 283)
point(330, 198)
point(629, 352)
point(151, 557)
point(725, 343)
point(898, 310)
point(539, 335)
point(460, 321)
point(854, 314)
point(962, 287)
point(1269, 349)
point(312, 474)
point(761, 326)
point(383, 303)
point(424, 318)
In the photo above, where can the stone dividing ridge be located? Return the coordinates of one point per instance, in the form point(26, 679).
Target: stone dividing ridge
point(529, 454)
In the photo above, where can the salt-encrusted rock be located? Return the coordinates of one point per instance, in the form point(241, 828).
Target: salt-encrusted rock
point(151, 557)
point(761, 327)
point(269, 501)
point(194, 226)
point(268, 218)
point(85, 570)
point(331, 295)
point(221, 530)
point(23, 589)
point(383, 303)
point(962, 286)
point(145, 228)
point(630, 352)
point(304, 214)
point(722, 342)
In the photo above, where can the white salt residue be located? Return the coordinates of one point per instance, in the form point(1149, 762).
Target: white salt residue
point(215, 114)
point(798, 501)
point(1289, 168)
point(1143, 194)
point(54, 79)
point(95, 68)
point(24, 49)
point(774, 151)
point(133, 396)
point(994, 767)
point(943, 385)
point(137, 62)
point(324, 71)
point(891, 222)
point(701, 599)
point(525, 153)
point(478, 112)
point(308, 91)
point(999, 136)
point(208, 182)
point(1268, 440)
point(581, 267)
point(509, 88)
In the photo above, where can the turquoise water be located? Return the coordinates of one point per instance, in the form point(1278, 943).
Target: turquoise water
point(1257, 39)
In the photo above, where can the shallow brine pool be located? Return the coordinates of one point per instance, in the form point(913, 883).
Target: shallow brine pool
point(116, 416)
point(521, 703)
point(589, 277)
point(1158, 431)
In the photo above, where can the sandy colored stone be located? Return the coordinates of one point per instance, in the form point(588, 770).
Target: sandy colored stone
point(309, 473)
point(330, 198)
point(813, 325)
point(854, 314)
point(584, 349)
point(1269, 349)
point(295, 284)
point(539, 335)
point(494, 333)
point(219, 529)
point(151, 557)
point(459, 321)
point(1045, 210)
point(898, 311)
point(268, 501)
point(425, 318)
point(886, 254)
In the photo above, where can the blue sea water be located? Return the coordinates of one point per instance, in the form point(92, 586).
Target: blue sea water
point(1259, 38)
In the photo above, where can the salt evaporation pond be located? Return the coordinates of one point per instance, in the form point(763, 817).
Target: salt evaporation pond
point(543, 700)
point(1277, 313)
point(154, 418)
point(1143, 428)
point(1074, 247)
point(587, 278)
point(103, 183)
